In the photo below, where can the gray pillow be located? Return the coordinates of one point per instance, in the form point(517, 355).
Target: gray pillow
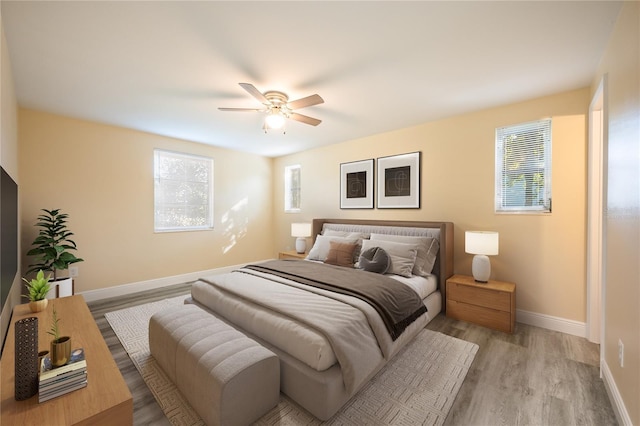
point(402, 256)
point(375, 260)
point(427, 250)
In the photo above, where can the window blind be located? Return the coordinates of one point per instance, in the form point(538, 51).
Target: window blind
point(523, 167)
point(292, 189)
point(183, 191)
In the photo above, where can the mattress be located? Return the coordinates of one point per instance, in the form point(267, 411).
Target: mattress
point(301, 341)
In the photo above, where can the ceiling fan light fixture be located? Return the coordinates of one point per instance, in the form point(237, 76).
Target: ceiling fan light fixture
point(275, 119)
point(278, 107)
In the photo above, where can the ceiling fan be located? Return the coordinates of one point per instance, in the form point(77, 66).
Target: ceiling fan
point(278, 107)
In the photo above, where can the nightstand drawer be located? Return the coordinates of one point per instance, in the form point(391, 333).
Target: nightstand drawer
point(499, 320)
point(485, 297)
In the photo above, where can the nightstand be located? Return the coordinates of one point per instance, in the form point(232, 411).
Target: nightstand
point(291, 254)
point(491, 304)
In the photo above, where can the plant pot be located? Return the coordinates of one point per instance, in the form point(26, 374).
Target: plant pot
point(38, 305)
point(60, 287)
point(60, 351)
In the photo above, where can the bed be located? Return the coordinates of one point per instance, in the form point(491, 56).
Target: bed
point(330, 344)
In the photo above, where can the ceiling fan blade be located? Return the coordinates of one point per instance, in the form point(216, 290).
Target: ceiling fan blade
point(304, 119)
point(305, 102)
point(255, 93)
point(242, 109)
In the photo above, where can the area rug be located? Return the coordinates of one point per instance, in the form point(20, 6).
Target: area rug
point(418, 386)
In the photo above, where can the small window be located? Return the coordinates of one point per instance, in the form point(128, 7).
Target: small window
point(292, 189)
point(523, 168)
point(183, 191)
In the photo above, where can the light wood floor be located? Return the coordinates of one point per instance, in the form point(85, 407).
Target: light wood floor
point(532, 377)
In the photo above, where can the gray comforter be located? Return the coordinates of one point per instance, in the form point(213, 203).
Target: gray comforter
point(355, 330)
point(397, 304)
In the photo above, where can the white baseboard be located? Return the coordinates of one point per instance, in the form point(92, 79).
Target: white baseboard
point(563, 325)
point(575, 328)
point(124, 289)
point(614, 395)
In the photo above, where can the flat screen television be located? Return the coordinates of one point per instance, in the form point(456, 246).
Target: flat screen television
point(8, 234)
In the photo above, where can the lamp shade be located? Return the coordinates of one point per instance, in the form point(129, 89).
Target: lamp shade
point(481, 242)
point(301, 230)
point(274, 120)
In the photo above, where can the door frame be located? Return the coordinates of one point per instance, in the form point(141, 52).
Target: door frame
point(596, 204)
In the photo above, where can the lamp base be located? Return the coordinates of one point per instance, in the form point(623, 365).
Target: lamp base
point(481, 268)
point(301, 245)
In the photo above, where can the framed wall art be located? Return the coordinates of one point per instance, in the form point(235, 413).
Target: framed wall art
point(356, 185)
point(399, 181)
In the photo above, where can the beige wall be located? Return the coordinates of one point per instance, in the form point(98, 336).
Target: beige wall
point(104, 181)
point(8, 159)
point(102, 176)
point(621, 62)
point(543, 254)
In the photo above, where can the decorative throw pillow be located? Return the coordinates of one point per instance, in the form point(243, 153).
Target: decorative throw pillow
point(321, 247)
point(375, 260)
point(403, 256)
point(433, 248)
point(358, 236)
point(427, 250)
point(340, 254)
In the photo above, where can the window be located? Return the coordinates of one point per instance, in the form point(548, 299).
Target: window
point(183, 191)
point(523, 168)
point(292, 189)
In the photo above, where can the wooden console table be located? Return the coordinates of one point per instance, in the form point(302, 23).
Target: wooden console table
point(105, 401)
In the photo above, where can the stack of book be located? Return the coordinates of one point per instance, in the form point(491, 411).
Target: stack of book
point(62, 380)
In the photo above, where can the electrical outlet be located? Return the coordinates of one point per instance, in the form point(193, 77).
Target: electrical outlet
point(73, 271)
point(621, 352)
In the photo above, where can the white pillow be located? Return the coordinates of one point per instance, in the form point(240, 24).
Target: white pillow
point(403, 256)
point(427, 250)
point(322, 245)
point(345, 234)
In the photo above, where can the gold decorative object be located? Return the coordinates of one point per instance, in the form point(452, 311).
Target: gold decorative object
point(60, 345)
point(38, 305)
point(60, 351)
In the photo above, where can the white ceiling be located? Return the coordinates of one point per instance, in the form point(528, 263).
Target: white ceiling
point(166, 67)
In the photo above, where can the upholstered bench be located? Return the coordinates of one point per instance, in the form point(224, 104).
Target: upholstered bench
point(227, 378)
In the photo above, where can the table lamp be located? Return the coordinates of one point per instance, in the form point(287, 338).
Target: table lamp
point(482, 244)
point(301, 231)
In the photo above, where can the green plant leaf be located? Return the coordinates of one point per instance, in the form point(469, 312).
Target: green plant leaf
point(38, 287)
point(55, 325)
point(51, 245)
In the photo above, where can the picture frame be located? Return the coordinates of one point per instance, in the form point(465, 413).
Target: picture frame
point(398, 181)
point(357, 184)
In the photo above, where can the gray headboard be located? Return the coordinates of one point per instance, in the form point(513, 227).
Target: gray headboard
point(444, 262)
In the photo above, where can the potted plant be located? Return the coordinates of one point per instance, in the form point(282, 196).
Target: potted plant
point(37, 291)
point(53, 244)
point(60, 345)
